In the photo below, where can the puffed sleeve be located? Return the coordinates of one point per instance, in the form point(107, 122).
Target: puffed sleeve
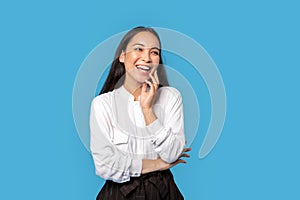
point(110, 162)
point(168, 134)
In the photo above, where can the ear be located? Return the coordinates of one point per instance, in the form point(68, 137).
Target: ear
point(122, 57)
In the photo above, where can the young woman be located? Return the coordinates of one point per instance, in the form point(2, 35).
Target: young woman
point(136, 123)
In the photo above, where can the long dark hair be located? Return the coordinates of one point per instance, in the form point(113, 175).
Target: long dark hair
point(117, 70)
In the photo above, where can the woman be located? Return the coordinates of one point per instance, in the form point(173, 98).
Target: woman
point(136, 125)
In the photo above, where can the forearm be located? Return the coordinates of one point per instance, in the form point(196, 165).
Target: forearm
point(159, 164)
point(149, 166)
point(156, 165)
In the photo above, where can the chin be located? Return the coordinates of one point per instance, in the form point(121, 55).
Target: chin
point(141, 80)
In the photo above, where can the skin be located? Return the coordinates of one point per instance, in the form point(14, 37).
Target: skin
point(143, 50)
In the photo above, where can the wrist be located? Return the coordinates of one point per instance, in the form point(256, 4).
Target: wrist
point(149, 115)
point(147, 109)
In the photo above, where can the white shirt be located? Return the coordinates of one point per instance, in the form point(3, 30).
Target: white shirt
point(120, 138)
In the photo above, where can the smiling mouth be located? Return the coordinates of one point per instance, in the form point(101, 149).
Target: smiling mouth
point(143, 68)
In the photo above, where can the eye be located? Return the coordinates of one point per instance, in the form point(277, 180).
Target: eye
point(156, 53)
point(140, 49)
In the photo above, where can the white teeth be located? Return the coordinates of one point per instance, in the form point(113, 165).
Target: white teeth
point(143, 67)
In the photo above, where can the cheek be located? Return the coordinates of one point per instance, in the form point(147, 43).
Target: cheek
point(130, 61)
point(129, 67)
point(155, 60)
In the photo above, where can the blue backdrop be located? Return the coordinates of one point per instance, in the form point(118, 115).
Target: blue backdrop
point(255, 45)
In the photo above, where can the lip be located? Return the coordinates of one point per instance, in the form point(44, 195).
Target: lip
point(141, 70)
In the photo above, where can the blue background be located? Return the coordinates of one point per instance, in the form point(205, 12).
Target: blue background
point(255, 45)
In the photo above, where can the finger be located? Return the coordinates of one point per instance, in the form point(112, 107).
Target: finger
point(179, 161)
point(152, 78)
point(154, 81)
point(187, 149)
point(156, 76)
point(185, 155)
point(144, 88)
point(148, 82)
point(151, 85)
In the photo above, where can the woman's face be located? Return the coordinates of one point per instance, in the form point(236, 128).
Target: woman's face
point(141, 57)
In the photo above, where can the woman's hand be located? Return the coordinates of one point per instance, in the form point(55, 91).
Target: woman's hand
point(159, 164)
point(146, 97)
point(164, 165)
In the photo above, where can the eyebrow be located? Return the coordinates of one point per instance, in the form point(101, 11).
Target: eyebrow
point(144, 45)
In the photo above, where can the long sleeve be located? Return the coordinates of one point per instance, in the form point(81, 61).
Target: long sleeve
point(168, 134)
point(110, 162)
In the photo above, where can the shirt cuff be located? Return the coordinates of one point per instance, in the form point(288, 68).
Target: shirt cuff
point(136, 167)
point(158, 134)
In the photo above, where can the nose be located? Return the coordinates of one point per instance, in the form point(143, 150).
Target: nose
point(146, 56)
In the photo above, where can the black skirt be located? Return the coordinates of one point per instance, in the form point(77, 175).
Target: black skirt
point(158, 185)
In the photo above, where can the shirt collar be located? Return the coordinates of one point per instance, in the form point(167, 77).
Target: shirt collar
point(124, 92)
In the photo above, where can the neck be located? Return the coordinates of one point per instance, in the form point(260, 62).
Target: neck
point(133, 87)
